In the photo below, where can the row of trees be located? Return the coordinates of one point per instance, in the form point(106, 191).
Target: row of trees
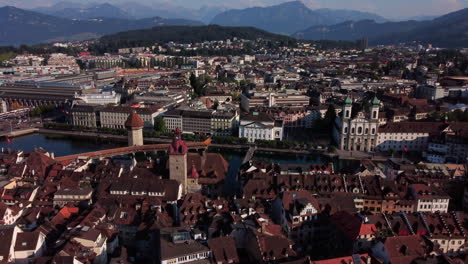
point(455, 116)
point(41, 110)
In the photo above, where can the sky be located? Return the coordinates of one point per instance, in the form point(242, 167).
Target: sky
point(388, 8)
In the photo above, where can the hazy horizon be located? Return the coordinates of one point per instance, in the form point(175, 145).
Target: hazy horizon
point(396, 9)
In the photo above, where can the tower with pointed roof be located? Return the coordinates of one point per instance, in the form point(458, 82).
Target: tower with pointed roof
point(178, 160)
point(134, 125)
point(192, 180)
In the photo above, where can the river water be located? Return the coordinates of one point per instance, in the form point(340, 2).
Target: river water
point(63, 146)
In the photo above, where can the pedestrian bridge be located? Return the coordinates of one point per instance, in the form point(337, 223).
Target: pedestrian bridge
point(130, 150)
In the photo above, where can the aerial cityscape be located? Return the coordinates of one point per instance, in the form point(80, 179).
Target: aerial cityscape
point(232, 132)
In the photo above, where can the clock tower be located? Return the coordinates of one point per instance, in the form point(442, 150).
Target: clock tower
point(178, 160)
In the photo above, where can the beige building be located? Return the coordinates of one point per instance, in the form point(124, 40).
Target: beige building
point(357, 132)
point(85, 116)
point(79, 195)
point(115, 116)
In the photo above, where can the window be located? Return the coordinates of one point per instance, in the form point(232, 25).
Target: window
point(347, 113)
point(359, 130)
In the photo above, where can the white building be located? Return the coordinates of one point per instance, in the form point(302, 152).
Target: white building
point(103, 98)
point(115, 116)
point(429, 199)
point(260, 126)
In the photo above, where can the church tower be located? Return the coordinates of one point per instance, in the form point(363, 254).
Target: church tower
point(375, 105)
point(347, 108)
point(134, 126)
point(178, 160)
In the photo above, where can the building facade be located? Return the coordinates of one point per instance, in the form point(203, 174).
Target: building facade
point(86, 116)
point(260, 126)
point(273, 99)
point(209, 122)
point(115, 116)
point(357, 132)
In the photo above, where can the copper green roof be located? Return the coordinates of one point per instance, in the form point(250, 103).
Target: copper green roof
point(348, 101)
point(375, 101)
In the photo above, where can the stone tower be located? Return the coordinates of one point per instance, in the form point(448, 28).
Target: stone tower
point(192, 180)
point(134, 126)
point(178, 160)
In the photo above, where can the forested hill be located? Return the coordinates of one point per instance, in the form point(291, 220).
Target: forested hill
point(185, 34)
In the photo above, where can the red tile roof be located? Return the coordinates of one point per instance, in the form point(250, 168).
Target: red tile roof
point(134, 121)
point(351, 226)
point(341, 260)
point(224, 250)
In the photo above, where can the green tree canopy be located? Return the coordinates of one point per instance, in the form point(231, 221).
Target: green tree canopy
point(160, 124)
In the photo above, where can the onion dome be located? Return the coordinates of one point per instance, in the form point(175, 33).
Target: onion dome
point(375, 101)
point(348, 101)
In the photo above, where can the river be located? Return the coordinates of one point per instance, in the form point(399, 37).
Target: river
point(63, 146)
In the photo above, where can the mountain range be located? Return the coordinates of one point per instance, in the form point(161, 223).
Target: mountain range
point(81, 11)
point(18, 26)
point(289, 17)
point(446, 31)
point(67, 21)
point(128, 10)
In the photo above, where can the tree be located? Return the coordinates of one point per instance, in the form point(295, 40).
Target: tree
point(160, 124)
point(330, 117)
point(16, 105)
